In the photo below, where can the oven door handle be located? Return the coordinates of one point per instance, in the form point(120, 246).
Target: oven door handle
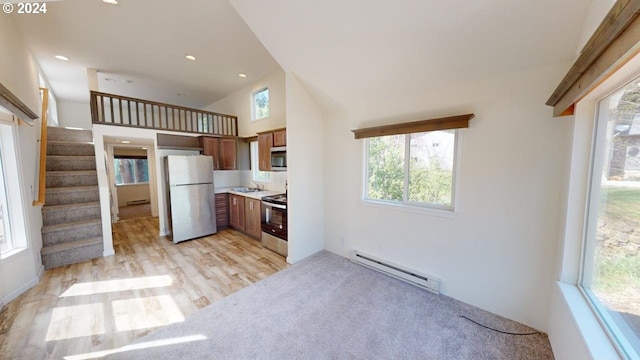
point(283, 207)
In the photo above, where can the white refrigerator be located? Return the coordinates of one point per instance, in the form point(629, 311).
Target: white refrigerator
point(190, 196)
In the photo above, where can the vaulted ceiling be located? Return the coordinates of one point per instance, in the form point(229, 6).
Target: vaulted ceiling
point(358, 51)
point(145, 42)
point(346, 52)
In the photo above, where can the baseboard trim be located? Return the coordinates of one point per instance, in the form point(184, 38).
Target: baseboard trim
point(108, 253)
point(22, 289)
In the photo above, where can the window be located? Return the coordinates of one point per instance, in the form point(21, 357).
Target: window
point(260, 104)
point(6, 243)
point(131, 170)
point(414, 169)
point(258, 175)
point(13, 237)
point(610, 275)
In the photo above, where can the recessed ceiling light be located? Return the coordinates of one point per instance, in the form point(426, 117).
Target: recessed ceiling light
point(112, 2)
point(60, 57)
point(109, 79)
point(180, 94)
point(125, 142)
point(190, 57)
point(128, 81)
point(242, 75)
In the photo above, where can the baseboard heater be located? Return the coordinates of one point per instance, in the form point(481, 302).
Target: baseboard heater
point(137, 202)
point(413, 277)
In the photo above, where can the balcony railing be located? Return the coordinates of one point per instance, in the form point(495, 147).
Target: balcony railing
point(110, 109)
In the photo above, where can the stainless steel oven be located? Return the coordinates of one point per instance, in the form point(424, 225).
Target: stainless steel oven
point(274, 223)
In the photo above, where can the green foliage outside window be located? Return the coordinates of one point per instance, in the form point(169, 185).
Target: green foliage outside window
point(429, 174)
point(261, 104)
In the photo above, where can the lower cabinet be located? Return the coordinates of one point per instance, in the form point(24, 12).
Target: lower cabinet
point(253, 213)
point(236, 212)
point(222, 210)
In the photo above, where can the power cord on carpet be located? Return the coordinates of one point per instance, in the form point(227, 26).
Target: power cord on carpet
point(496, 330)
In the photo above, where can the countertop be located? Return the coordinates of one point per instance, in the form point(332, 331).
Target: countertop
point(258, 195)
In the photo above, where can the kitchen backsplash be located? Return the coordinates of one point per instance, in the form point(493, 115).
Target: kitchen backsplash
point(229, 178)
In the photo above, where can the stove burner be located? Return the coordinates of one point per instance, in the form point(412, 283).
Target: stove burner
point(276, 199)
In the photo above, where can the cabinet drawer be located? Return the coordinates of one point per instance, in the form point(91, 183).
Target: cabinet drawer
point(221, 197)
point(221, 210)
point(221, 204)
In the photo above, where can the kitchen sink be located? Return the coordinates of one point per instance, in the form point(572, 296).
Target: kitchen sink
point(246, 189)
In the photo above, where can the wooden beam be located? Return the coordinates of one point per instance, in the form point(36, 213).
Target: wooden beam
point(622, 15)
point(17, 107)
point(446, 123)
point(620, 51)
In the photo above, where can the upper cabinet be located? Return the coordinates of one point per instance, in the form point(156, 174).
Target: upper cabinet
point(265, 143)
point(223, 151)
point(280, 138)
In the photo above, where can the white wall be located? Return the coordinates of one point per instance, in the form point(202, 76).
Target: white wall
point(18, 72)
point(305, 202)
point(132, 192)
point(74, 114)
point(498, 251)
point(239, 104)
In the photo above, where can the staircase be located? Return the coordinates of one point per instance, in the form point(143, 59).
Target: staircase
point(72, 230)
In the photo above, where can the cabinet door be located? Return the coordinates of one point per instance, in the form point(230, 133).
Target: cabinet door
point(265, 143)
point(211, 147)
point(254, 218)
point(228, 154)
point(280, 138)
point(236, 212)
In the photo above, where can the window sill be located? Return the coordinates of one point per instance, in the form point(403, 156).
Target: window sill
point(264, 118)
point(593, 335)
point(409, 208)
point(10, 253)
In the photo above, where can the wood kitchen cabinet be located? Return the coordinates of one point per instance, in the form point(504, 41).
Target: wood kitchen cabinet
point(222, 211)
point(228, 154)
point(280, 138)
point(265, 143)
point(253, 221)
point(223, 151)
point(236, 212)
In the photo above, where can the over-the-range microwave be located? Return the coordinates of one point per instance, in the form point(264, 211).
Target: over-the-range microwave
point(279, 158)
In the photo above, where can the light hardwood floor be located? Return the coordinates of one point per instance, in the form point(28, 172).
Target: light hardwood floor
point(106, 303)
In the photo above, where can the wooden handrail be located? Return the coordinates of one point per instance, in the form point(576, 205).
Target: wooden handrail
point(42, 178)
point(110, 109)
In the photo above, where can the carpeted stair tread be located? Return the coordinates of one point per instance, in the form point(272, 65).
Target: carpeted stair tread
point(48, 208)
point(70, 225)
point(71, 172)
point(72, 189)
point(71, 143)
point(63, 134)
point(71, 162)
point(46, 250)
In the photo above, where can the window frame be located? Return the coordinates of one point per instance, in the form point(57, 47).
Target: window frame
point(413, 206)
point(115, 177)
point(16, 198)
point(254, 154)
point(597, 159)
point(253, 103)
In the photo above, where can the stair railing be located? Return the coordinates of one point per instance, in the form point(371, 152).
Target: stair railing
point(42, 177)
point(110, 109)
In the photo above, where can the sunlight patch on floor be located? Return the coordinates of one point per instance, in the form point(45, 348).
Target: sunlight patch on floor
point(101, 287)
point(144, 313)
point(139, 346)
point(76, 321)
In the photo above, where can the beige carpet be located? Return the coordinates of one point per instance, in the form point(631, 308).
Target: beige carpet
point(326, 307)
